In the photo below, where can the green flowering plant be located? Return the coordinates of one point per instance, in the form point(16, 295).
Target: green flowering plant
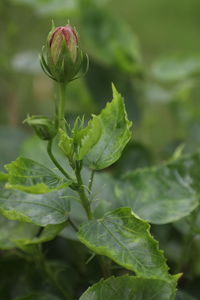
point(120, 237)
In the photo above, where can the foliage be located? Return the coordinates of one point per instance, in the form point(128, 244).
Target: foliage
point(76, 206)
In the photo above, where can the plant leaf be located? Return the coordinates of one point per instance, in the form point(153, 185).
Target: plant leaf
point(115, 134)
point(124, 238)
point(65, 143)
point(31, 177)
point(42, 210)
point(130, 288)
point(89, 136)
point(165, 193)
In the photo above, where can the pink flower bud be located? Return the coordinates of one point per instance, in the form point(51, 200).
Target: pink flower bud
point(66, 34)
point(62, 57)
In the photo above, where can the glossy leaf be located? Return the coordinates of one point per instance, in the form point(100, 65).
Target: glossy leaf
point(115, 134)
point(124, 238)
point(31, 177)
point(165, 193)
point(44, 209)
point(130, 288)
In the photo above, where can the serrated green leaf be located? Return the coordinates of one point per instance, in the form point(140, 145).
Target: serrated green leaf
point(115, 134)
point(165, 193)
point(130, 288)
point(89, 136)
point(125, 239)
point(31, 177)
point(42, 210)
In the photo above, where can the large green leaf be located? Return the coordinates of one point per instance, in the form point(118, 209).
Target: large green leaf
point(165, 193)
point(31, 177)
point(44, 209)
point(115, 134)
point(124, 238)
point(130, 288)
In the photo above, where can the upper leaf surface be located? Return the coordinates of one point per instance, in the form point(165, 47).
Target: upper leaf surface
point(125, 239)
point(115, 134)
point(130, 288)
point(163, 194)
point(43, 209)
point(31, 177)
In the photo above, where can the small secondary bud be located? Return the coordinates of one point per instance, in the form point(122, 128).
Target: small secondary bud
point(62, 58)
point(43, 127)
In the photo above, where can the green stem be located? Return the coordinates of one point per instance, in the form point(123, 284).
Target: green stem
point(73, 224)
point(91, 181)
point(81, 191)
point(56, 163)
point(61, 106)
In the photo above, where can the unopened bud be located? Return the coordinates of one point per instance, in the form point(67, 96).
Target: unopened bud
point(43, 127)
point(63, 58)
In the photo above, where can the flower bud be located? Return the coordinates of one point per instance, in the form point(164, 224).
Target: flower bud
point(43, 127)
point(63, 58)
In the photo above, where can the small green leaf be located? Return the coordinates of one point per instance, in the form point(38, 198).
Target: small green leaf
point(89, 136)
point(66, 144)
point(31, 177)
point(125, 239)
point(130, 288)
point(44, 209)
point(115, 134)
point(165, 193)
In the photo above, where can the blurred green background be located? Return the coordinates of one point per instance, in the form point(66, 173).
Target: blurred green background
point(150, 49)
